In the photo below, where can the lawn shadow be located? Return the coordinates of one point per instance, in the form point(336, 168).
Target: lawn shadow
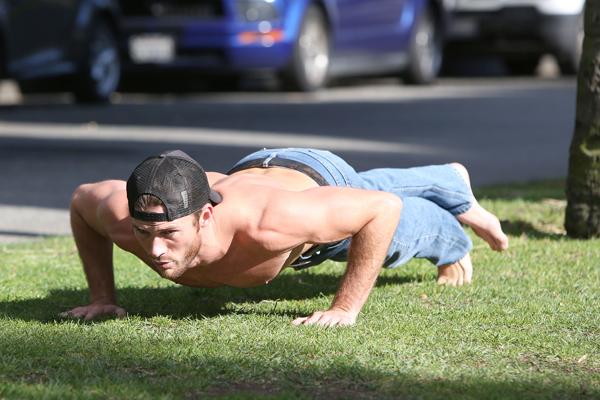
point(179, 302)
point(549, 192)
point(132, 369)
point(519, 227)
point(528, 191)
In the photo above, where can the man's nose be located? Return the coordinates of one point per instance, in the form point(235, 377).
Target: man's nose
point(157, 248)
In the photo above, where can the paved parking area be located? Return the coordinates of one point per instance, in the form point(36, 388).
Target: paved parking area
point(502, 129)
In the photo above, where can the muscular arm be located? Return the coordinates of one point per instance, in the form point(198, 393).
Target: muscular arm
point(328, 214)
point(95, 249)
point(365, 259)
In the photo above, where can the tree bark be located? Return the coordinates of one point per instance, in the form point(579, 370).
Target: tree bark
point(582, 219)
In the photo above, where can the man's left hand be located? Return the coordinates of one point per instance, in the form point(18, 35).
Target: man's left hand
point(328, 318)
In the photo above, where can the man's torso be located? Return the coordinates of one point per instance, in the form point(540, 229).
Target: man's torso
point(250, 257)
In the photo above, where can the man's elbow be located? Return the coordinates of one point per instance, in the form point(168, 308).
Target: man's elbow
point(393, 202)
point(391, 205)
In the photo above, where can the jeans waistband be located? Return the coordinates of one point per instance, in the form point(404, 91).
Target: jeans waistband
point(281, 162)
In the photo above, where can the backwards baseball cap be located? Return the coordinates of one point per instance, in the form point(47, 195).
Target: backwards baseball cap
point(176, 179)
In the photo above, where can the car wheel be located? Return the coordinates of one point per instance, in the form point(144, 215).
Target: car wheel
point(308, 69)
point(100, 67)
point(525, 65)
point(29, 87)
point(425, 50)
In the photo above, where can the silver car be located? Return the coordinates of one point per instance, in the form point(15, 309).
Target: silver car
point(520, 31)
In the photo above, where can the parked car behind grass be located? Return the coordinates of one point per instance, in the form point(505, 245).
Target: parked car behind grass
point(67, 45)
point(302, 42)
point(519, 31)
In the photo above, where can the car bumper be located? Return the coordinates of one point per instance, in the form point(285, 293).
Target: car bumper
point(210, 46)
point(511, 31)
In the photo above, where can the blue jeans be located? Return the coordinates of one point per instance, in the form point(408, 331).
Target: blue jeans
point(432, 196)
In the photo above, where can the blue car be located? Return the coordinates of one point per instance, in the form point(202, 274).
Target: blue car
point(304, 42)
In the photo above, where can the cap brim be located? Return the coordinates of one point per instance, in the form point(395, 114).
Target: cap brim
point(215, 197)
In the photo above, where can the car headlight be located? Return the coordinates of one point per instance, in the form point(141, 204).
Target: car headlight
point(257, 10)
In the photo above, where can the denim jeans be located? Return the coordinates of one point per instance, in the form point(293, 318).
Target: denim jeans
point(432, 196)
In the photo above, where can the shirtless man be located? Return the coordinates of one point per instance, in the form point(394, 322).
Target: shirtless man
point(277, 208)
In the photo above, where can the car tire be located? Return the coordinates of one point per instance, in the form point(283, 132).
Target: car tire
point(425, 50)
point(569, 65)
point(525, 65)
point(568, 62)
point(309, 65)
point(29, 87)
point(99, 69)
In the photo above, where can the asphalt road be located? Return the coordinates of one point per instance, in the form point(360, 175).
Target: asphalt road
point(503, 130)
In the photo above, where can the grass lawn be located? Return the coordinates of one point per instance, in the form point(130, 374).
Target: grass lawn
point(529, 326)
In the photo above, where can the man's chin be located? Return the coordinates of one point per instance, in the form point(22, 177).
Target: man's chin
point(172, 273)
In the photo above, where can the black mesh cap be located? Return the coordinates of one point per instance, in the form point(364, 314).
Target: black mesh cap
point(176, 179)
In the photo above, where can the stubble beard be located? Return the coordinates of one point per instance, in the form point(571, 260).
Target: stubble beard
point(187, 263)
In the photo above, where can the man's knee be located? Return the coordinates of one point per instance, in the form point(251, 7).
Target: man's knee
point(460, 167)
point(462, 170)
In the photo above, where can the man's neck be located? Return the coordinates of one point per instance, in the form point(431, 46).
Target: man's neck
point(213, 248)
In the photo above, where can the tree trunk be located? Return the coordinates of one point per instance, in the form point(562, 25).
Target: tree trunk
point(582, 218)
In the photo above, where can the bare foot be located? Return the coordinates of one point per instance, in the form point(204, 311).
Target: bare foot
point(456, 274)
point(485, 224)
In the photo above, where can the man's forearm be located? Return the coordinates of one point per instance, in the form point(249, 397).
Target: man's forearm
point(95, 252)
point(367, 254)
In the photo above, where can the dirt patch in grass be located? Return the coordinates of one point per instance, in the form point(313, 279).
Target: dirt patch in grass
point(235, 389)
point(332, 391)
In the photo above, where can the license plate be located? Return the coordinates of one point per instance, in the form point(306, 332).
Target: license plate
point(478, 5)
point(153, 48)
point(464, 28)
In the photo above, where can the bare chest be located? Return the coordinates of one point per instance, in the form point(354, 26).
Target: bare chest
point(242, 269)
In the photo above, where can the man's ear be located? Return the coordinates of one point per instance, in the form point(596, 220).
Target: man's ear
point(206, 214)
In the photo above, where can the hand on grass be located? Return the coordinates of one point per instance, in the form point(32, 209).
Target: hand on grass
point(93, 311)
point(328, 318)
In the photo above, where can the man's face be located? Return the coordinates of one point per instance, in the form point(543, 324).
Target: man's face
point(172, 246)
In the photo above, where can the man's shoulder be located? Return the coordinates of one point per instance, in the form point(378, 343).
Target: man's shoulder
point(114, 205)
point(262, 196)
point(246, 202)
point(113, 214)
point(214, 177)
point(100, 202)
point(246, 188)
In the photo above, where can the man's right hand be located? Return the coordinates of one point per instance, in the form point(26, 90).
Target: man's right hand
point(93, 311)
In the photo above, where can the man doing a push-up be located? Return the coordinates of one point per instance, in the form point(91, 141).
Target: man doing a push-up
point(277, 208)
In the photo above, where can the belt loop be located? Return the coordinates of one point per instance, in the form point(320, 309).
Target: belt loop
point(265, 163)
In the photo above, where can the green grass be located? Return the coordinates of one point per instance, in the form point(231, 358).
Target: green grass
point(529, 326)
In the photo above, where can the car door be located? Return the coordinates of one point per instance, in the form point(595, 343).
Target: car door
point(368, 27)
point(39, 33)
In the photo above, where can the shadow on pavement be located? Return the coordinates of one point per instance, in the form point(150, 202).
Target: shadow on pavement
point(24, 234)
point(44, 172)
